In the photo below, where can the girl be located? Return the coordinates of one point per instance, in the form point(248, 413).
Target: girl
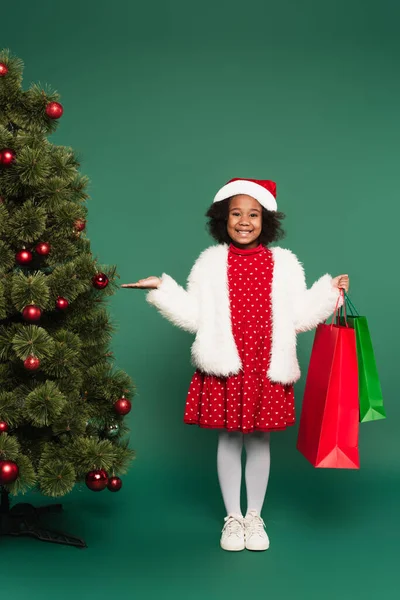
point(245, 302)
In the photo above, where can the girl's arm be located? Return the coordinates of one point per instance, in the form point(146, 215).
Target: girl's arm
point(314, 305)
point(311, 306)
point(176, 304)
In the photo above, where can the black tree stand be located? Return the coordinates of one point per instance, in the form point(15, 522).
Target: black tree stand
point(25, 520)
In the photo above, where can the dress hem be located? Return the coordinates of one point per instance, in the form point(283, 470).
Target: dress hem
point(203, 426)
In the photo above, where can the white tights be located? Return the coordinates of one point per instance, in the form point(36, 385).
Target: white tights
point(229, 463)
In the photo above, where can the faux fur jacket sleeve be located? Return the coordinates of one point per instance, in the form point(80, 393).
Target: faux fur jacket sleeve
point(177, 304)
point(311, 306)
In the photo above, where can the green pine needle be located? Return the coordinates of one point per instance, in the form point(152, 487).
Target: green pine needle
point(9, 447)
point(9, 410)
point(56, 478)
point(6, 337)
point(31, 339)
point(7, 258)
point(44, 404)
point(90, 454)
point(28, 223)
point(30, 289)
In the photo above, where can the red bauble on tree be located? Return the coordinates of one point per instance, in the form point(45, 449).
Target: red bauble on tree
point(43, 248)
point(32, 313)
point(8, 471)
point(97, 480)
point(24, 257)
point(114, 484)
point(100, 281)
point(31, 363)
point(3, 426)
point(7, 157)
point(54, 110)
point(122, 406)
point(3, 69)
point(62, 303)
point(80, 224)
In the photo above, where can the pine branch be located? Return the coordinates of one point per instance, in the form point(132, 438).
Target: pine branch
point(9, 92)
point(30, 289)
point(9, 447)
point(9, 410)
point(103, 381)
point(7, 334)
point(72, 419)
point(31, 339)
point(123, 457)
point(3, 304)
point(7, 257)
point(44, 404)
point(56, 478)
point(66, 355)
point(92, 454)
point(27, 223)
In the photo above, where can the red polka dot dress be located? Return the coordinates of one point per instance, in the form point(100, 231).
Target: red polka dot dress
point(248, 401)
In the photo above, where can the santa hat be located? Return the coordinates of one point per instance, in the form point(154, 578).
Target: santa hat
point(262, 190)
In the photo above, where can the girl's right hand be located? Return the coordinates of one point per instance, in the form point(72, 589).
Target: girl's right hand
point(150, 283)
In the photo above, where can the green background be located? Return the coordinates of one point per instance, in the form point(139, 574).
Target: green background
point(165, 101)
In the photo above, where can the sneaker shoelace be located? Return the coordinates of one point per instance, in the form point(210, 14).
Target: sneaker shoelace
point(233, 527)
point(255, 526)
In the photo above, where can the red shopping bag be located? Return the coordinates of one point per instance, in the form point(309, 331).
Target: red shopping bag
point(329, 422)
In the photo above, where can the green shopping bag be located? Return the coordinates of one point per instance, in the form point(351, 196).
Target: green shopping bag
point(370, 392)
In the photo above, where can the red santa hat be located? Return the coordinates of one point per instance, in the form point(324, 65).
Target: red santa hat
point(262, 190)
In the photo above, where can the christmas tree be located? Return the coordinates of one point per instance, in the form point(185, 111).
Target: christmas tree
point(62, 402)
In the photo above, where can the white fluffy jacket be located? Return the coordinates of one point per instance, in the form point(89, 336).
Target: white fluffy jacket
point(203, 308)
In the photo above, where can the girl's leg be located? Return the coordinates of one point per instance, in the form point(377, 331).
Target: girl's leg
point(258, 460)
point(229, 463)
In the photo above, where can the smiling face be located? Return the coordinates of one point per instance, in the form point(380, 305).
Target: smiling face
point(244, 221)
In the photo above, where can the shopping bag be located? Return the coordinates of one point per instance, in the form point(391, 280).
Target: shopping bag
point(370, 392)
point(329, 421)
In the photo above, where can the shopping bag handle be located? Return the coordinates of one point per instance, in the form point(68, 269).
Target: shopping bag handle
point(354, 312)
point(338, 311)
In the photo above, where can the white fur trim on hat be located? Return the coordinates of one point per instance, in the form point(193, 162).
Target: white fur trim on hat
point(250, 188)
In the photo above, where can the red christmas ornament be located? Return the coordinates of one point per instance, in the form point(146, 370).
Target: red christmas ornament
point(32, 363)
point(8, 471)
point(62, 303)
point(97, 480)
point(54, 110)
point(32, 313)
point(43, 248)
point(100, 281)
point(3, 427)
point(122, 406)
point(7, 157)
point(3, 69)
point(80, 224)
point(114, 484)
point(24, 257)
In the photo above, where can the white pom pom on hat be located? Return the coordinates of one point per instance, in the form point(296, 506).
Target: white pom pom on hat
point(263, 190)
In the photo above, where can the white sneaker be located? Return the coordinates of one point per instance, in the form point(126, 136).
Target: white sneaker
point(232, 538)
point(256, 537)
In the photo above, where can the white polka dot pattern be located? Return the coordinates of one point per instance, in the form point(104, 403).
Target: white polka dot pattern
point(248, 401)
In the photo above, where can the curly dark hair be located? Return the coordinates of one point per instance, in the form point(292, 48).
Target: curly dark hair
point(218, 214)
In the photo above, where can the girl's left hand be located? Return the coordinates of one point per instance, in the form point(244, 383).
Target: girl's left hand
point(342, 282)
